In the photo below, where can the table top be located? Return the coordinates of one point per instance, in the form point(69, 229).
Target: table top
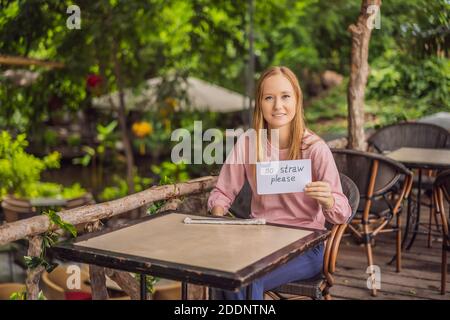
point(422, 157)
point(223, 256)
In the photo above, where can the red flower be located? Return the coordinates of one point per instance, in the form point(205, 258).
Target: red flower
point(93, 80)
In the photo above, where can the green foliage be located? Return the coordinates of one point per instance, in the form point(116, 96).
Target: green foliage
point(56, 221)
point(397, 75)
point(20, 172)
point(50, 138)
point(51, 190)
point(120, 187)
point(85, 160)
point(22, 295)
point(135, 41)
point(171, 171)
point(74, 140)
point(155, 206)
point(149, 280)
point(49, 238)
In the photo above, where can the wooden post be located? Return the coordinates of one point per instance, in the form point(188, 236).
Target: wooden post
point(34, 275)
point(98, 282)
point(126, 281)
point(359, 72)
point(96, 273)
point(197, 292)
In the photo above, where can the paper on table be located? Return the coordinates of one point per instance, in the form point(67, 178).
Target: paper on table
point(189, 220)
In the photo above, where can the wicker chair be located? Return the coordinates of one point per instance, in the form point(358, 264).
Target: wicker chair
point(318, 286)
point(376, 177)
point(441, 193)
point(413, 135)
point(409, 134)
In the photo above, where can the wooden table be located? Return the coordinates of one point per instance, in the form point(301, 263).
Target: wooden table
point(221, 256)
point(420, 159)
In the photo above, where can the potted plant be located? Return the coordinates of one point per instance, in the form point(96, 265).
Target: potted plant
point(20, 184)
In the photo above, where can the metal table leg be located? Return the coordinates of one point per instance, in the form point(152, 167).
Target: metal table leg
point(408, 221)
point(143, 287)
point(248, 292)
point(417, 222)
point(184, 291)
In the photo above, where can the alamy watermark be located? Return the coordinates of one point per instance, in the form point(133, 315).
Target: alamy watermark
point(74, 20)
point(374, 280)
point(189, 148)
point(73, 281)
point(374, 19)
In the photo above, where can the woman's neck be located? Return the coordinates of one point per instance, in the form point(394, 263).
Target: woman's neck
point(284, 137)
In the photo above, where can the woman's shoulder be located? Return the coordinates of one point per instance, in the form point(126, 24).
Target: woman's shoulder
point(312, 140)
point(315, 146)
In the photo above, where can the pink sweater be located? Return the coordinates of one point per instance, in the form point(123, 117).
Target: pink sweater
point(295, 209)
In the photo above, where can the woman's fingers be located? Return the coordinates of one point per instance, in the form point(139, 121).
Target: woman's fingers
point(318, 194)
point(323, 189)
point(318, 184)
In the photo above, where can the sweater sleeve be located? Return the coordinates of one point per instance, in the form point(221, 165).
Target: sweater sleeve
point(231, 178)
point(324, 169)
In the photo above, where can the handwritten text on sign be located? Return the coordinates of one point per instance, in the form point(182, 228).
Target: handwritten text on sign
point(282, 176)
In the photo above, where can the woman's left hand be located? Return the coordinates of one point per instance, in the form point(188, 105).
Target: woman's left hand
point(321, 191)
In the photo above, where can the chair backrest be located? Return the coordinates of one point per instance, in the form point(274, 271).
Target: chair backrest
point(241, 206)
point(351, 191)
point(441, 189)
point(409, 134)
point(365, 167)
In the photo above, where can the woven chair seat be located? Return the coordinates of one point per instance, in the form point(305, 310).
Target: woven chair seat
point(311, 287)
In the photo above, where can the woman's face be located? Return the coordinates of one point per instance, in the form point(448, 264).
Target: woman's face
point(278, 101)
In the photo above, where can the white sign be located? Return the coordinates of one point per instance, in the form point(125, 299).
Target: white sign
point(286, 176)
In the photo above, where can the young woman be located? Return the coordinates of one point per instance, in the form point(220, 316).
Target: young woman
point(279, 106)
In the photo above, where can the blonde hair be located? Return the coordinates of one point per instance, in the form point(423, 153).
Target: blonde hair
point(297, 123)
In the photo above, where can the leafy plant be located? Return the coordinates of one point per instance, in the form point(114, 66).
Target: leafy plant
point(49, 238)
point(176, 172)
point(52, 190)
point(155, 206)
point(120, 187)
point(18, 169)
point(74, 140)
point(50, 138)
point(149, 280)
point(22, 295)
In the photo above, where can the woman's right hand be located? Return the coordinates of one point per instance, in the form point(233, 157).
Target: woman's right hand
point(218, 211)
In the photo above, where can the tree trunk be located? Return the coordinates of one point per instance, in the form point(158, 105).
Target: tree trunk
point(34, 275)
point(96, 273)
point(123, 126)
point(126, 142)
point(360, 32)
